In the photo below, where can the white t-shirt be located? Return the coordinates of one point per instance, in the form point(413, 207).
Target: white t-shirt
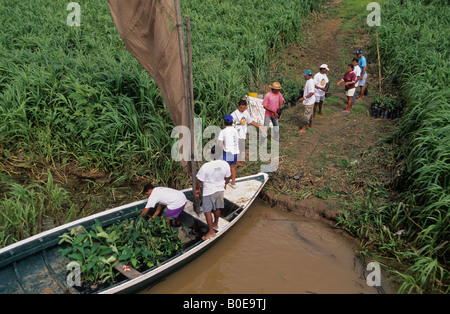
point(357, 71)
point(240, 121)
point(229, 136)
point(320, 80)
point(213, 175)
point(171, 198)
point(309, 87)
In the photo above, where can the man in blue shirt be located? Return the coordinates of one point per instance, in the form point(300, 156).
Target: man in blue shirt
point(363, 66)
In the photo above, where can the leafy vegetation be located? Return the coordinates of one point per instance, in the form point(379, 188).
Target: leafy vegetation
point(385, 107)
point(24, 210)
point(135, 242)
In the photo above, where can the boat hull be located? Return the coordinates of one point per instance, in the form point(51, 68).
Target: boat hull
point(35, 266)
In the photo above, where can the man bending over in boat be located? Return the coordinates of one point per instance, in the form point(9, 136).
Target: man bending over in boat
point(213, 176)
point(173, 199)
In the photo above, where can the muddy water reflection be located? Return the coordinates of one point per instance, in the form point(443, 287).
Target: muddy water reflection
point(269, 251)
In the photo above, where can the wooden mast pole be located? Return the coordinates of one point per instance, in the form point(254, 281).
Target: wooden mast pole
point(189, 99)
point(190, 77)
point(379, 63)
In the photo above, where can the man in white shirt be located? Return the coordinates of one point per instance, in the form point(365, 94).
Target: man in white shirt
point(174, 200)
point(229, 141)
point(308, 100)
point(213, 176)
point(242, 118)
point(357, 71)
point(320, 83)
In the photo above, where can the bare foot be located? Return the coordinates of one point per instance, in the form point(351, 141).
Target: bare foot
point(321, 114)
point(301, 131)
point(208, 235)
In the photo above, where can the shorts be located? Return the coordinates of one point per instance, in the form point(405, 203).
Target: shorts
point(213, 202)
point(174, 213)
point(230, 158)
point(320, 98)
point(362, 81)
point(350, 92)
point(307, 114)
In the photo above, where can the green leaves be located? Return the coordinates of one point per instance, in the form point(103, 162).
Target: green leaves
point(135, 242)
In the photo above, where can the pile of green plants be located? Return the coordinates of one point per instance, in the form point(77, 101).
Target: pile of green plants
point(412, 225)
point(135, 242)
point(292, 91)
point(386, 107)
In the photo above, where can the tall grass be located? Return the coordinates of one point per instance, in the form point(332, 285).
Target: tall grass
point(415, 52)
point(25, 211)
point(75, 93)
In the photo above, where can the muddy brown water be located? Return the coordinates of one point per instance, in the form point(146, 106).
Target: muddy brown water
point(271, 251)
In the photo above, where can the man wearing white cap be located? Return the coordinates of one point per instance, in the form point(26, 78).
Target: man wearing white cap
point(320, 87)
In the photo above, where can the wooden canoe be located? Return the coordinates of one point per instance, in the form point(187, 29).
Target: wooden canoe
point(34, 265)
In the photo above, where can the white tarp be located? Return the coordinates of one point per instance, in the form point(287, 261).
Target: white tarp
point(256, 110)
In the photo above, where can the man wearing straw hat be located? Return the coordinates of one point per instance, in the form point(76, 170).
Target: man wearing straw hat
point(272, 102)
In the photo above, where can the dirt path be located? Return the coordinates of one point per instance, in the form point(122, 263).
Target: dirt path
point(321, 170)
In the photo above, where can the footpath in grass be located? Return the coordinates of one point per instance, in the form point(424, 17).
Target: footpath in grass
point(314, 177)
